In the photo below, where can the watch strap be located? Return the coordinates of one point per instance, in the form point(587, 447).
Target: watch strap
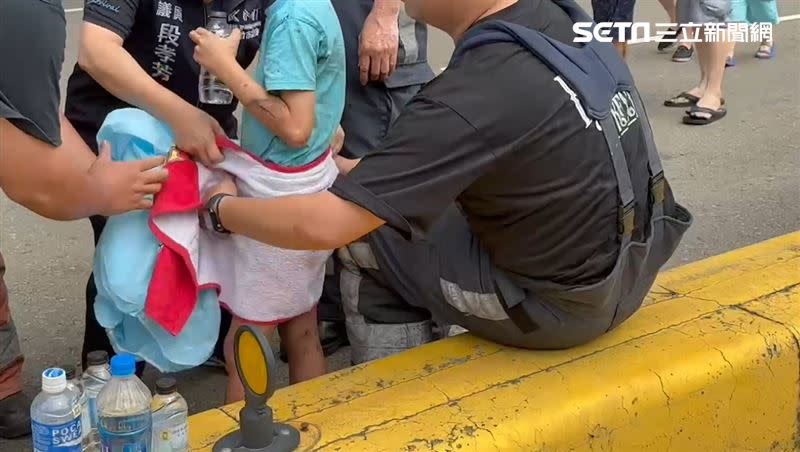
point(212, 207)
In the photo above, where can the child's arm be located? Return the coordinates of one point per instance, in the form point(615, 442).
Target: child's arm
point(289, 116)
point(288, 67)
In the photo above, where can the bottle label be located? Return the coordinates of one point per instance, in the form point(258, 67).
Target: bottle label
point(127, 433)
point(93, 412)
point(86, 418)
point(57, 438)
point(171, 439)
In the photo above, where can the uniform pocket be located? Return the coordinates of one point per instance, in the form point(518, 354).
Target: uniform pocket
point(672, 230)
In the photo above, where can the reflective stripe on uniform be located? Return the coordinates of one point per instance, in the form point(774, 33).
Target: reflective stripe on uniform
point(409, 45)
point(483, 305)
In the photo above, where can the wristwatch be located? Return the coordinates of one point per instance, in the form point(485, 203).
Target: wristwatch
point(209, 214)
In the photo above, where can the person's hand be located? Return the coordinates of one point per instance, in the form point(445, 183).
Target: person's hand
point(196, 134)
point(215, 53)
point(345, 165)
point(377, 47)
point(126, 186)
point(338, 141)
point(227, 186)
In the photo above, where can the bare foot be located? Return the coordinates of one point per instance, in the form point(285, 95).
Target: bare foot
point(710, 101)
point(697, 91)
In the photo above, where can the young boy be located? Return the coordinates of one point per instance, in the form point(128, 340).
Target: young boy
point(293, 109)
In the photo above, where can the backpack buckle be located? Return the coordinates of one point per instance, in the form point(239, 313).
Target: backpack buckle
point(657, 188)
point(627, 217)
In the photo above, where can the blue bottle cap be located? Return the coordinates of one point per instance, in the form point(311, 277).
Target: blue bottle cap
point(123, 365)
point(54, 380)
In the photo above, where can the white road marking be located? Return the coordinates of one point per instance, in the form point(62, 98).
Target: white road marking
point(73, 10)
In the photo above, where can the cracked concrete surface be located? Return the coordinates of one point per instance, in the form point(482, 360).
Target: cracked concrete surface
point(708, 362)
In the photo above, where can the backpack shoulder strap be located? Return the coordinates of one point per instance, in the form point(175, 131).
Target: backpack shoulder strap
point(595, 71)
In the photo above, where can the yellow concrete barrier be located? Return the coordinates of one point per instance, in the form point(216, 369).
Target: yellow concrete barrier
point(710, 363)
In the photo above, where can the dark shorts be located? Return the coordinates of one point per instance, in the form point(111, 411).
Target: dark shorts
point(614, 11)
point(369, 112)
point(703, 11)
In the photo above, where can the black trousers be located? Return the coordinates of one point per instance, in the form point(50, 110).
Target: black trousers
point(94, 335)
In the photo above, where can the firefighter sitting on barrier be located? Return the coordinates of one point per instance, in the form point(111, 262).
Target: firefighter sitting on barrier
point(520, 194)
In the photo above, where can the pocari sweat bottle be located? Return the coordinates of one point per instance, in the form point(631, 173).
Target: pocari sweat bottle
point(170, 418)
point(123, 409)
point(95, 378)
point(212, 90)
point(56, 415)
point(75, 383)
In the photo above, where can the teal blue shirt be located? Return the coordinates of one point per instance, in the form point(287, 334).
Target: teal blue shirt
point(302, 50)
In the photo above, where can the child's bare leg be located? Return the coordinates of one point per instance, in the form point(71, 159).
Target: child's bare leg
point(235, 391)
point(300, 336)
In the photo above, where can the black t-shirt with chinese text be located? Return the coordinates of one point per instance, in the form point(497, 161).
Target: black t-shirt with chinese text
point(499, 134)
point(156, 34)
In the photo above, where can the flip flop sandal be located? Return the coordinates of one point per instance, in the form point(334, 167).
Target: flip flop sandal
point(670, 39)
point(683, 54)
point(697, 116)
point(731, 61)
point(683, 99)
point(689, 111)
point(765, 52)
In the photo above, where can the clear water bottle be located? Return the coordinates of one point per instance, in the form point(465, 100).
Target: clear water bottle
point(170, 418)
point(56, 415)
point(76, 384)
point(95, 378)
point(212, 90)
point(123, 409)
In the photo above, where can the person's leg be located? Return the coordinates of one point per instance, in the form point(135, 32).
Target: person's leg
point(234, 391)
point(380, 322)
point(738, 15)
point(684, 11)
point(615, 11)
point(217, 359)
point(14, 417)
point(622, 48)
point(713, 73)
point(301, 339)
point(369, 113)
point(451, 277)
point(712, 53)
point(764, 11)
point(669, 7)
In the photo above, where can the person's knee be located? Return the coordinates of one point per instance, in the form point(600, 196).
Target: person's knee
point(301, 330)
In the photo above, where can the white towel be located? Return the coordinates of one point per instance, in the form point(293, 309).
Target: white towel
point(257, 282)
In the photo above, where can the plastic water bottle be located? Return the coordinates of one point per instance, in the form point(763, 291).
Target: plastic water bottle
point(56, 415)
point(123, 409)
point(170, 418)
point(76, 384)
point(212, 90)
point(95, 378)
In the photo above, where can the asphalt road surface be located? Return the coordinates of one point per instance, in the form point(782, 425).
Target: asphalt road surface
point(740, 177)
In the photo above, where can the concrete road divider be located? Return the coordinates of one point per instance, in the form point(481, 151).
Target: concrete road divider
point(710, 363)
